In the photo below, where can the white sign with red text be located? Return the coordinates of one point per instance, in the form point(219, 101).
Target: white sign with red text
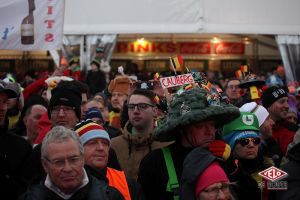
point(31, 24)
point(173, 81)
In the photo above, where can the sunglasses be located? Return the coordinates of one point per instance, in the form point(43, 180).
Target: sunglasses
point(246, 141)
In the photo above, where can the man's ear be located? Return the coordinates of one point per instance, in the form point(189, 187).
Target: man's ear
point(155, 112)
point(45, 165)
point(25, 119)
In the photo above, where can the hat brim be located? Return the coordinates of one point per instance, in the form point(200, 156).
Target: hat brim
point(165, 131)
point(247, 84)
point(10, 93)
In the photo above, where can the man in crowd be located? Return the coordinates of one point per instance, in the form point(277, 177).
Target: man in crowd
point(14, 151)
point(96, 104)
point(96, 143)
point(275, 99)
point(119, 89)
point(15, 105)
point(63, 160)
point(137, 138)
point(233, 91)
point(191, 122)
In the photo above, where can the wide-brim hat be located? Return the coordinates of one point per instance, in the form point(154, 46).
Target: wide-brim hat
point(249, 83)
point(192, 106)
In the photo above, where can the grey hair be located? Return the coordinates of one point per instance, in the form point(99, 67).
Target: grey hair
point(60, 134)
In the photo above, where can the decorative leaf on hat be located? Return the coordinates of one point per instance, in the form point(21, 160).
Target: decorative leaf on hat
point(213, 97)
point(184, 109)
point(199, 77)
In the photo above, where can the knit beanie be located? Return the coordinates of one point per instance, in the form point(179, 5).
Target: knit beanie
point(245, 126)
point(88, 130)
point(212, 174)
point(260, 112)
point(272, 94)
point(66, 96)
point(93, 113)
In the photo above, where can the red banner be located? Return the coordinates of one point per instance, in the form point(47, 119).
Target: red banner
point(229, 48)
point(164, 47)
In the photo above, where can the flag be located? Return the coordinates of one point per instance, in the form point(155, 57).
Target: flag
point(207, 86)
point(177, 63)
point(156, 76)
point(244, 68)
point(238, 74)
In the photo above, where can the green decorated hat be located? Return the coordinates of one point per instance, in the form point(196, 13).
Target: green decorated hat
point(246, 121)
point(192, 106)
point(245, 126)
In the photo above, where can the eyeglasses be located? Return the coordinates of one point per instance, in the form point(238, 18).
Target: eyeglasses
point(60, 163)
point(214, 192)
point(140, 106)
point(67, 109)
point(246, 141)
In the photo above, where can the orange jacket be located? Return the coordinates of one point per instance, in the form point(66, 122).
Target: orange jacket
point(117, 180)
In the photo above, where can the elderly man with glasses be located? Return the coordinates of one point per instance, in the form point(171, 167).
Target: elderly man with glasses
point(137, 139)
point(62, 159)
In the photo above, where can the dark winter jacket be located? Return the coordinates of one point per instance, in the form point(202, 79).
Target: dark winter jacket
point(94, 190)
point(292, 167)
point(14, 152)
point(246, 186)
point(95, 81)
point(153, 175)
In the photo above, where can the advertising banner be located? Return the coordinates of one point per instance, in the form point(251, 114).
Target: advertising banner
point(31, 24)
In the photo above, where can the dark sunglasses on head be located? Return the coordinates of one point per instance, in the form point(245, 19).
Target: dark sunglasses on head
point(246, 141)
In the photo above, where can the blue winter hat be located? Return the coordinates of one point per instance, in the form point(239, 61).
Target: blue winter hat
point(244, 126)
point(93, 113)
point(234, 136)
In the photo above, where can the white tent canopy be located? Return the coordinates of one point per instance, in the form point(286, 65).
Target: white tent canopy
point(182, 16)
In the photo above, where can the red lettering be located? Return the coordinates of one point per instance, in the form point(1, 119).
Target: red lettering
point(132, 47)
point(142, 48)
point(171, 48)
point(122, 47)
point(163, 82)
point(49, 23)
point(49, 37)
point(157, 47)
point(50, 9)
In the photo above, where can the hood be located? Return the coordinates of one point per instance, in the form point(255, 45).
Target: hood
point(194, 163)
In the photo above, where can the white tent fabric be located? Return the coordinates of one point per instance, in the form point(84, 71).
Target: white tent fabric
point(182, 16)
point(132, 16)
point(289, 46)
